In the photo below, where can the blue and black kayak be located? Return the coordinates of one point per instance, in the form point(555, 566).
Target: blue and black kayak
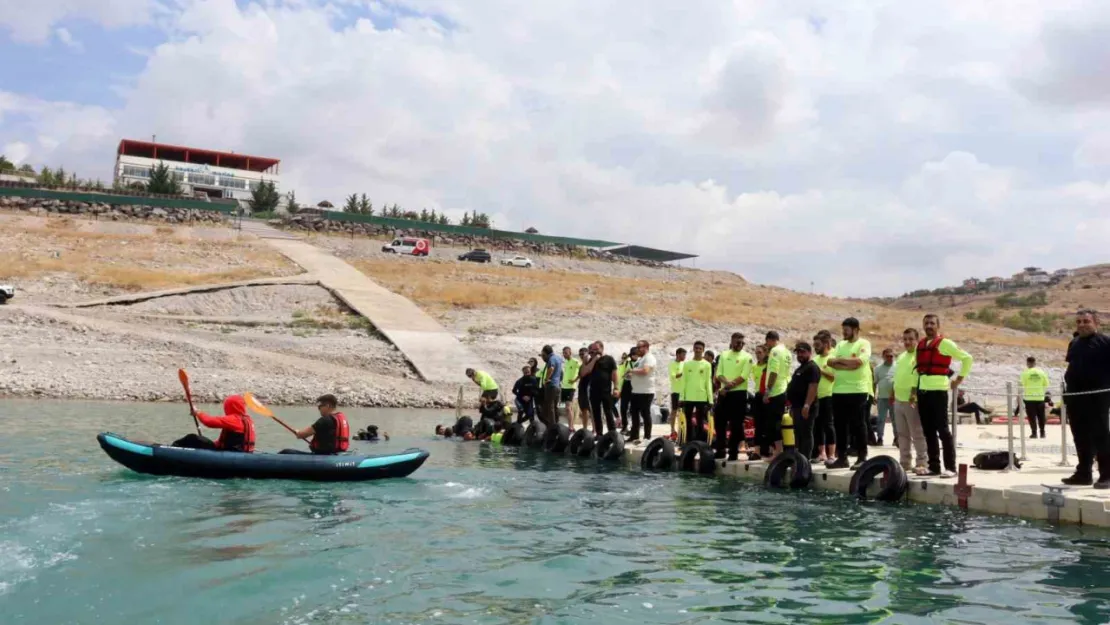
point(157, 459)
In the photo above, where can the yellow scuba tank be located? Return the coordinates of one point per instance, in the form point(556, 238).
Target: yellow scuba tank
point(680, 425)
point(787, 430)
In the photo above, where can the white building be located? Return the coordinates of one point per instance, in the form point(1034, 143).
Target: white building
point(200, 172)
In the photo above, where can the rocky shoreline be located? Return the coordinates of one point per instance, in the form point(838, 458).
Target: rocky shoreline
point(114, 212)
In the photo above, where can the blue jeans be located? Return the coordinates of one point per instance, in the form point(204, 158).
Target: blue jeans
point(886, 412)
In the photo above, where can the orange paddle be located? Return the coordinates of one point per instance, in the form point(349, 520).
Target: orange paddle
point(184, 377)
point(256, 406)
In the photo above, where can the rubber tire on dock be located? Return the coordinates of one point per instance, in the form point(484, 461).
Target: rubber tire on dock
point(659, 455)
point(698, 457)
point(610, 446)
point(483, 428)
point(555, 440)
point(776, 471)
point(581, 443)
point(533, 436)
point(514, 435)
point(896, 480)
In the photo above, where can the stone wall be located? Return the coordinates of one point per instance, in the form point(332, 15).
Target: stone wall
point(115, 212)
point(315, 223)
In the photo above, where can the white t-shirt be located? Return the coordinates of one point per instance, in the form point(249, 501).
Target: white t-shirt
point(644, 384)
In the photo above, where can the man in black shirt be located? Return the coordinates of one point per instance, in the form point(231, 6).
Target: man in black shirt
point(1089, 415)
point(802, 395)
point(604, 388)
point(525, 390)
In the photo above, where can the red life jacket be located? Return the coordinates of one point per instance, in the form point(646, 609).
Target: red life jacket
point(929, 359)
point(341, 441)
point(238, 441)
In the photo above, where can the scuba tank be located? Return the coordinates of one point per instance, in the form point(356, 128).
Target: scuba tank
point(787, 431)
point(680, 425)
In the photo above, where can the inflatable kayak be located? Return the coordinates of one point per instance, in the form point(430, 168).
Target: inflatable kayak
point(157, 459)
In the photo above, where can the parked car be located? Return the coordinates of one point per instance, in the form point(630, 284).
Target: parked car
point(517, 261)
point(409, 246)
point(7, 292)
point(477, 256)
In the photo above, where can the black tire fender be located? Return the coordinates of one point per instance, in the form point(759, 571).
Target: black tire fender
point(556, 438)
point(610, 446)
point(775, 476)
point(533, 436)
point(698, 457)
point(581, 443)
point(659, 455)
point(514, 435)
point(483, 428)
point(894, 482)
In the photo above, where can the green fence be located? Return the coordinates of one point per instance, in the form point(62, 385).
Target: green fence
point(93, 197)
point(409, 224)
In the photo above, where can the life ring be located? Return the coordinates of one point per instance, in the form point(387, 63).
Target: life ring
point(775, 476)
point(533, 436)
point(514, 435)
point(610, 446)
point(893, 484)
point(581, 443)
point(555, 440)
point(659, 455)
point(422, 246)
point(483, 428)
point(698, 457)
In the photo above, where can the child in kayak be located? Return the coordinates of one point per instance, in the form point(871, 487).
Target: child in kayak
point(236, 429)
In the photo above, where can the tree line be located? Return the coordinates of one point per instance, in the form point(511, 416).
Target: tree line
point(360, 204)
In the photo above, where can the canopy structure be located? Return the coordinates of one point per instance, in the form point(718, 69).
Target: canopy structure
point(647, 253)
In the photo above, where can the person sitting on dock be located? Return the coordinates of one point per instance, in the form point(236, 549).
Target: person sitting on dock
point(330, 434)
point(525, 390)
point(485, 382)
point(235, 425)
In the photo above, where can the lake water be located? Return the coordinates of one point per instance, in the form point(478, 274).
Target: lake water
point(491, 535)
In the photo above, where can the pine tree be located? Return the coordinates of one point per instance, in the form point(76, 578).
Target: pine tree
point(352, 204)
point(60, 176)
point(423, 214)
point(46, 177)
point(443, 220)
point(5, 164)
point(365, 206)
point(291, 204)
point(264, 198)
point(466, 220)
point(162, 181)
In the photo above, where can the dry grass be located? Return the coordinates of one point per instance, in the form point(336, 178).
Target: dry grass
point(132, 262)
point(711, 297)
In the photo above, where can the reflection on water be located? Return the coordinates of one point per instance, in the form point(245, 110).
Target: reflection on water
point(493, 535)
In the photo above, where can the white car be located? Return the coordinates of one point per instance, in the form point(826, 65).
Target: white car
point(7, 292)
point(517, 261)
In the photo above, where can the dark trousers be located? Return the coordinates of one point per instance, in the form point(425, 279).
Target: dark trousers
point(549, 405)
point(601, 402)
point(641, 413)
point(803, 428)
point(771, 432)
point(525, 409)
point(975, 409)
point(823, 431)
point(674, 402)
point(932, 406)
point(850, 421)
point(1090, 430)
point(1034, 412)
point(195, 441)
point(728, 421)
point(626, 402)
point(697, 417)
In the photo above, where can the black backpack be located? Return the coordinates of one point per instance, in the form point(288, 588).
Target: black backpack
point(994, 460)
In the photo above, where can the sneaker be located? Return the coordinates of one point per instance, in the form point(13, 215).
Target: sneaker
point(1033, 435)
point(635, 442)
point(857, 465)
point(947, 474)
point(921, 470)
point(1103, 483)
point(839, 463)
point(1078, 480)
point(1042, 435)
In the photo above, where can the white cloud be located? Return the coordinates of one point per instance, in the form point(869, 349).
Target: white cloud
point(32, 21)
point(67, 39)
point(869, 148)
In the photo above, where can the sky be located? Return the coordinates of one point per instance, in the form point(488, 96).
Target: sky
point(868, 147)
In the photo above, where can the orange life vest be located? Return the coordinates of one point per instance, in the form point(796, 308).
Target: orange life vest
point(342, 437)
point(238, 441)
point(929, 359)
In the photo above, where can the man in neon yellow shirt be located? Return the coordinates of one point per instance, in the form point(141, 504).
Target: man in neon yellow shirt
point(485, 382)
point(566, 391)
point(824, 435)
point(697, 392)
point(851, 359)
point(934, 356)
point(734, 368)
point(675, 372)
point(1034, 387)
point(903, 396)
point(774, 401)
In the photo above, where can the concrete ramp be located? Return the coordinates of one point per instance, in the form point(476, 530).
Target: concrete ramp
point(434, 352)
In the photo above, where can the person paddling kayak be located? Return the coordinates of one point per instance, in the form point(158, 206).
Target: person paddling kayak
point(331, 433)
point(236, 429)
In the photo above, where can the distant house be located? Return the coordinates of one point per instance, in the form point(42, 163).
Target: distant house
point(1063, 273)
point(971, 283)
point(1039, 278)
point(1019, 277)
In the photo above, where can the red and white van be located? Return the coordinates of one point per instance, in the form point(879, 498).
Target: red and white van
point(409, 245)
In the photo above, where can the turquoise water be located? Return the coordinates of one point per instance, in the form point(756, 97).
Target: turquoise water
point(482, 535)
